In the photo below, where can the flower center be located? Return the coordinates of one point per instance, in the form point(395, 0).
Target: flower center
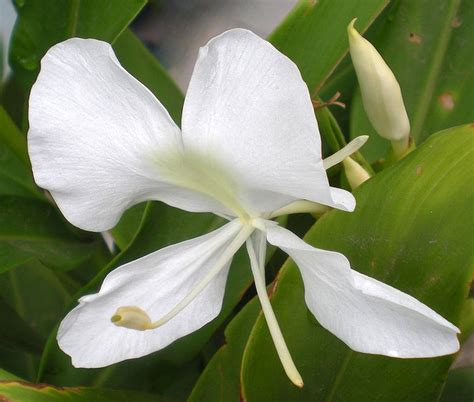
point(205, 174)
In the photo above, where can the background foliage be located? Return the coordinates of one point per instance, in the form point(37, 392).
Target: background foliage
point(412, 227)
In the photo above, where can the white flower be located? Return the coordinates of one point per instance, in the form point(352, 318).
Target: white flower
point(249, 150)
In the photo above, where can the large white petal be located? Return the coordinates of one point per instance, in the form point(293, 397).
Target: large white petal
point(248, 105)
point(368, 315)
point(156, 283)
point(97, 136)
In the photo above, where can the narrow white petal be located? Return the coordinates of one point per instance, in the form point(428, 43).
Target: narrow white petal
point(366, 314)
point(248, 104)
point(155, 283)
point(96, 134)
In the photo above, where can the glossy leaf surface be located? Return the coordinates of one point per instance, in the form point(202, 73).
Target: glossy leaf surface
point(401, 233)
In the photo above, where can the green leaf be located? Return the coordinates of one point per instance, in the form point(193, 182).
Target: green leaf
point(34, 230)
point(13, 138)
point(426, 44)
point(37, 295)
point(21, 391)
point(412, 230)
point(39, 298)
point(39, 27)
point(466, 325)
point(225, 364)
point(459, 386)
point(5, 375)
point(16, 333)
point(15, 169)
point(313, 35)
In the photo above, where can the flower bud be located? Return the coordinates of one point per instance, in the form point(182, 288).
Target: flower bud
point(131, 317)
point(381, 94)
point(355, 173)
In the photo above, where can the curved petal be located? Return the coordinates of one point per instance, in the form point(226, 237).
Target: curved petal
point(95, 136)
point(248, 104)
point(155, 283)
point(368, 315)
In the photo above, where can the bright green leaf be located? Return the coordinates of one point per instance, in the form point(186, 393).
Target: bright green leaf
point(412, 230)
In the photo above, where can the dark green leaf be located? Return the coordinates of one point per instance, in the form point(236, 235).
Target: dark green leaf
point(16, 334)
point(412, 230)
point(459, 386)
point(220, 381)
point(40, 26)
point(15, 170)
point(34, 230)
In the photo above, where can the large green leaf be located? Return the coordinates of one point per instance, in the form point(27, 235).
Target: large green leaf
point(21, 391)
point(427, 45)
point(313, 35)
point(40, 26)
point(31, 229)
point(411, 229)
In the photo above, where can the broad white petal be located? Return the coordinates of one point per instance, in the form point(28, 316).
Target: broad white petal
point(156, 283)
point(97, 135)
point(248, 105)
point(368, 315)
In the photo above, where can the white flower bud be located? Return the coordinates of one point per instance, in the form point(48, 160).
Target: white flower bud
point(381, 94)
point(355, 173)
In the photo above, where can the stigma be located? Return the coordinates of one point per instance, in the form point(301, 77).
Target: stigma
point(132, 317)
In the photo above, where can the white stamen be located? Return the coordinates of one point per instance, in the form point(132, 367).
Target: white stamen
point(275, 331)
point(343, 153)
point(300, 206)
point(223, 259)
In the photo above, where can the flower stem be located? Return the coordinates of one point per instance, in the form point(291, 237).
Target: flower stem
point(275, 331)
